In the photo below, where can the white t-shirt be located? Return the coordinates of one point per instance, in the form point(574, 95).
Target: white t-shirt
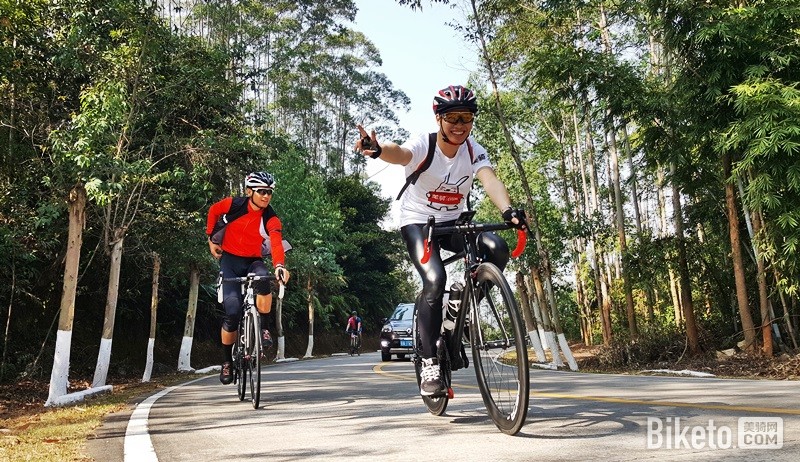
point(442, 189)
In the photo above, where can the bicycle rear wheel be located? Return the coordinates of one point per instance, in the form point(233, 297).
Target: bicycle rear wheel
point(435, 405)
point(254, 357)
point(239, 371)
point(499, 351)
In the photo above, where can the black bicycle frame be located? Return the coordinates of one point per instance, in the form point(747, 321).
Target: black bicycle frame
point(456, 354)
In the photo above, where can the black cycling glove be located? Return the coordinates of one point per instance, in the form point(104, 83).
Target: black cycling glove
point(367, 144)
point(511, 213)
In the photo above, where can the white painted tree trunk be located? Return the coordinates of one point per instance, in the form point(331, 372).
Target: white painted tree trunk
point(103, 360)
point(104, 355)
point(59, 376)
point(537, 345)
point(281, 349)
point(184, 358)
point(310, 319)
point(529, 317)
point(554, 349)
point(540, 326)
point(310, 346)
point(185, 355)
point(148, 368)
point(573, 365)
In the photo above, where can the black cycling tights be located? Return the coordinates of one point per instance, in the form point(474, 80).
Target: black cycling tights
point(233, 266)
point(491, 247)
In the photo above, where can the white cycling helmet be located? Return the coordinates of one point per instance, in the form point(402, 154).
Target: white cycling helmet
point(259, 180)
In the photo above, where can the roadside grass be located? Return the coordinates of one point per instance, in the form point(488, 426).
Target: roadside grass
point(37, 433)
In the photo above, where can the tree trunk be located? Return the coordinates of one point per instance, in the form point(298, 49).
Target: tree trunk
point(536, 309)
point(310, 299)
point(185, 355)
point(630, 310)
point(148, 368)
point(683, 271)
point(754, 226)
point(547, 324)
point(603, 292)
point(578, 249)
point(786, 311)
point(648, 290)
point(12, 289)
point(77, 219)
point(662, 232)
point(763, 297)
point(736, 254)
point(530, 322)
point(562, 341)
point(104, 355)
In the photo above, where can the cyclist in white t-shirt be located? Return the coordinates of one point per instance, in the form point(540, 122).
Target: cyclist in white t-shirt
point(441, 190)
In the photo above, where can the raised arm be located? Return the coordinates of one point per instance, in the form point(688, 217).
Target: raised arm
point(387, 151)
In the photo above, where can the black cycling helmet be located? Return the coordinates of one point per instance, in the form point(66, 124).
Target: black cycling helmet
point(455, 97)
point(354, 312)
point(259, 180)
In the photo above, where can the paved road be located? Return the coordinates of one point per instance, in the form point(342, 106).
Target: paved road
point(359, 408)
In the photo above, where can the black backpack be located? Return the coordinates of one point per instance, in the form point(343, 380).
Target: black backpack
point(426, 163)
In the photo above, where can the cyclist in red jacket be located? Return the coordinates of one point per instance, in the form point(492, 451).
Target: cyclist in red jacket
point(240, 252)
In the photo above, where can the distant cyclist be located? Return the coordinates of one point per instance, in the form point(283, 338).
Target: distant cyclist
point(353, 330)
point(353, 323)
point(247, 222)
point(440, 189)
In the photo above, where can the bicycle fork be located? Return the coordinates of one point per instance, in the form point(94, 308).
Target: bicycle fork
point(247, 341)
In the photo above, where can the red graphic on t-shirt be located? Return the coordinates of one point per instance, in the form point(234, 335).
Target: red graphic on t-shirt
point(445, 198)
point(446, 194)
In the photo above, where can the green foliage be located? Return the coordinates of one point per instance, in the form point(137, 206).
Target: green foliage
point(157, 125)
point(370, 257)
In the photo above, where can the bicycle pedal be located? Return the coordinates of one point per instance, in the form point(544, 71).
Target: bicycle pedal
point(450, 394)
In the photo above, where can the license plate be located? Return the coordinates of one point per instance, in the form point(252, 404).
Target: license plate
point(405, 343)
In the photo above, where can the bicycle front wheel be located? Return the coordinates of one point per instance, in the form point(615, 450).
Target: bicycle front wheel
point(254, 357)
point(499, 350)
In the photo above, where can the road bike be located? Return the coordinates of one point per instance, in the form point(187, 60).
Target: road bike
point(247, 349)
point(489, 322)
point(355, 343)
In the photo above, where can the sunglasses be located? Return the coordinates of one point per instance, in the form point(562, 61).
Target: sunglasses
point(458, 117)
point(264, 191)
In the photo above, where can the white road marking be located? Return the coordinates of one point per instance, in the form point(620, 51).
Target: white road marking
point(138, 445)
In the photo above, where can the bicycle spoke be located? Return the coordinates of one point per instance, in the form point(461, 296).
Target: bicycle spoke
point(499, 351)
point(254, 362)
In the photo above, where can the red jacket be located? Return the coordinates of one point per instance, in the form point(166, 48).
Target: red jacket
point(245, 235)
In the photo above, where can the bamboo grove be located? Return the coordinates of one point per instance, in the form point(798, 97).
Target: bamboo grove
point(657, 142)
